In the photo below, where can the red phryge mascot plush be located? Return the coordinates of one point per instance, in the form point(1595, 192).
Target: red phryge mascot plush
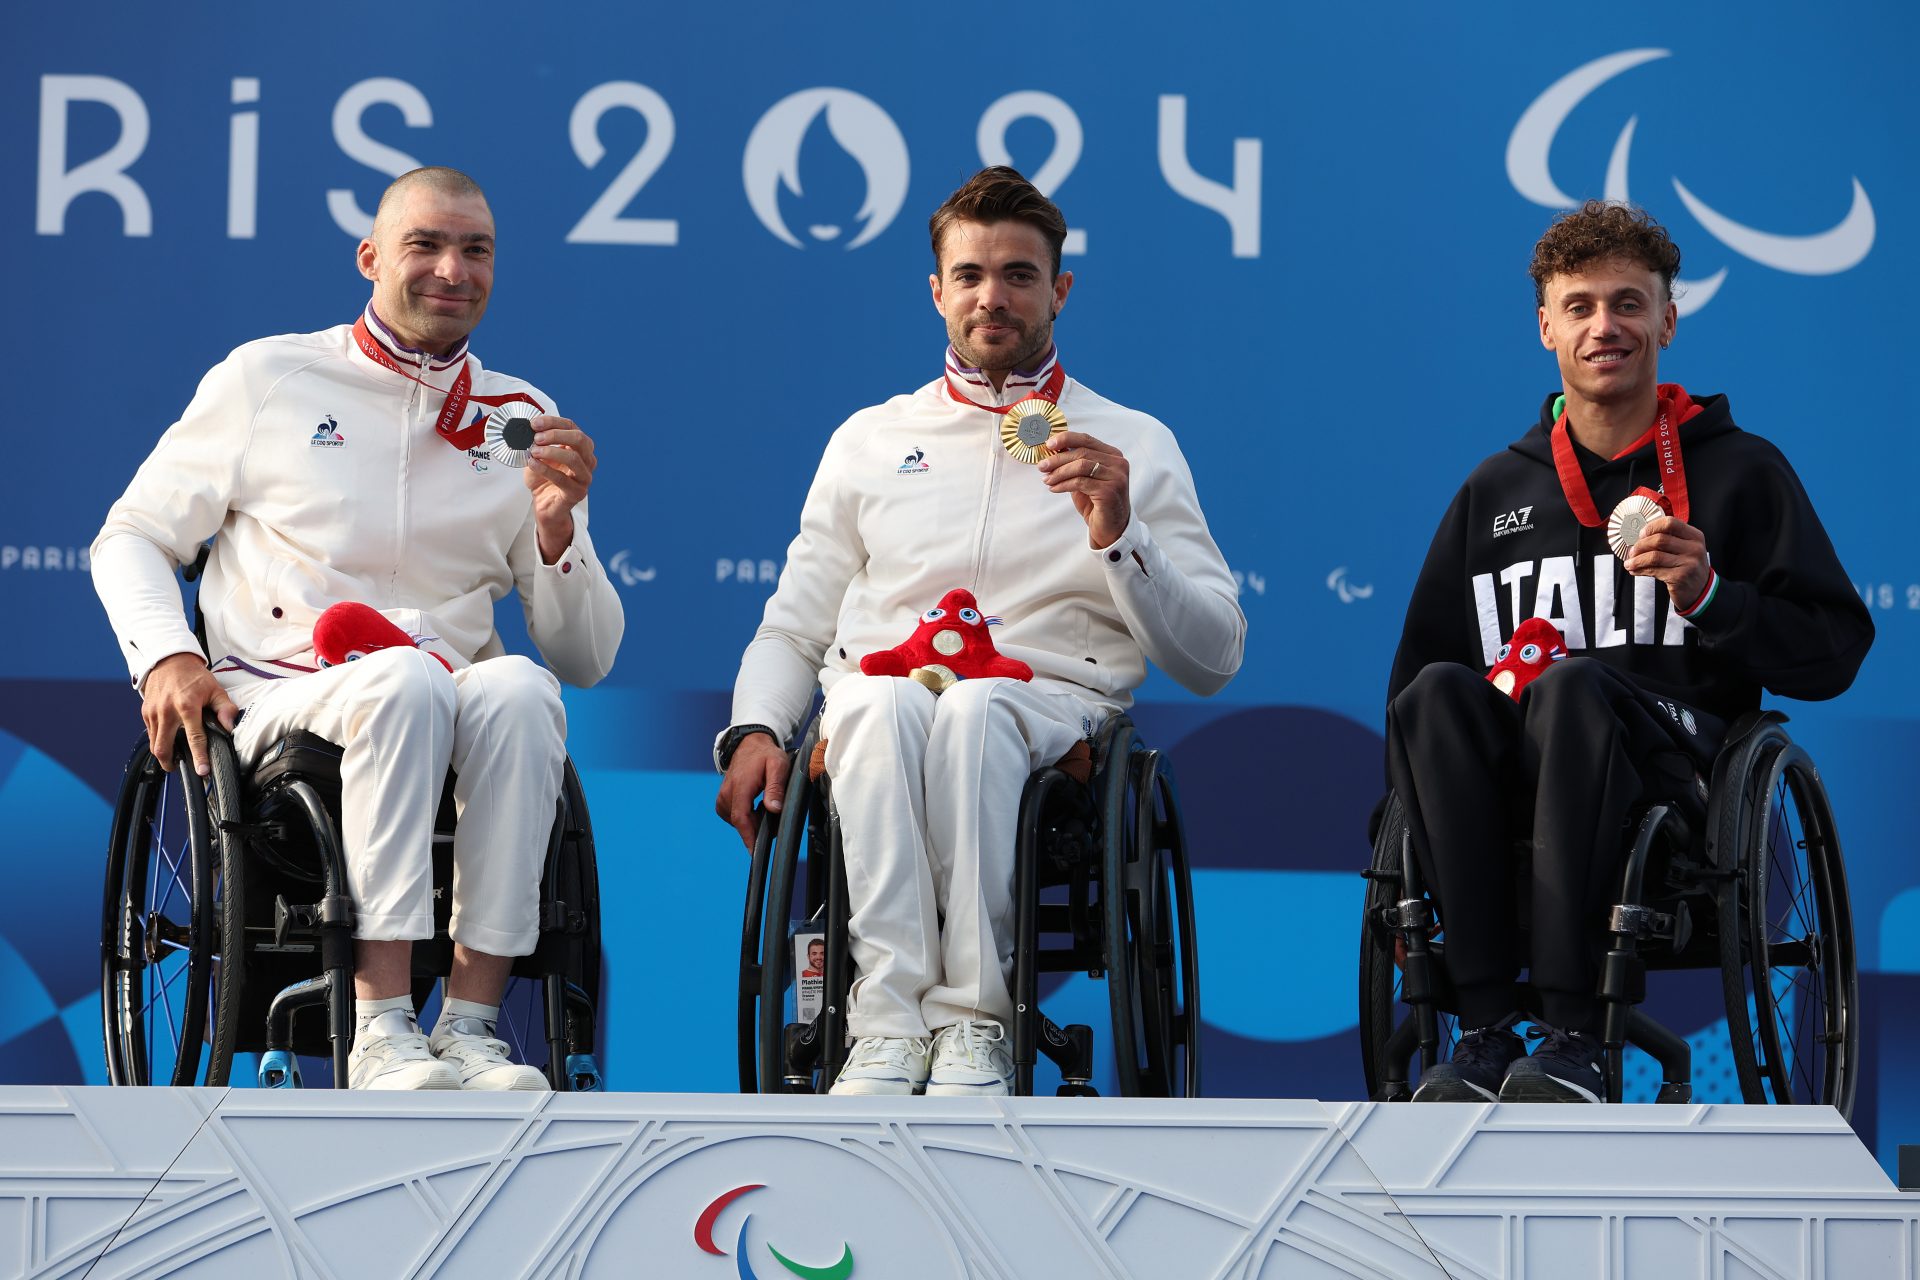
point(950, 644)
point(350, 630)
point(1536, 645)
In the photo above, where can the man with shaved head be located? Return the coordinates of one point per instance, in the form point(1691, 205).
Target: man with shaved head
point(376, 462)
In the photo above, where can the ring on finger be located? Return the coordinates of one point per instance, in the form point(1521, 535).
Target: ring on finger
point(1096, 470)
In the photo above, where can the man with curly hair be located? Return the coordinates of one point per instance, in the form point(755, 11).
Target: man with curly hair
point(1685, 568)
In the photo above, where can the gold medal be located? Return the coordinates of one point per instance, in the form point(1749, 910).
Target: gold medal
point(1629, 521)
point(510, 432)
point(1027, 427)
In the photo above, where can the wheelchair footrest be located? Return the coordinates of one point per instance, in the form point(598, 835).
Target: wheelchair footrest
point(1070, 1048)
point(583, 1074)
point(801, 1050)
point(279, 1069)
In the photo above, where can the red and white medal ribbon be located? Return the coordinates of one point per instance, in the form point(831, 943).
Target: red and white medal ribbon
point(1629, 518)
point(456, 403)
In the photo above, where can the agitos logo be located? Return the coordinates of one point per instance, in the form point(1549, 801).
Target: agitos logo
point(703, 1236)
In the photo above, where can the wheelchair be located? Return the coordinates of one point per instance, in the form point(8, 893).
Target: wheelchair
point(1101, 886)
point(1746, 878)
point(226, 917)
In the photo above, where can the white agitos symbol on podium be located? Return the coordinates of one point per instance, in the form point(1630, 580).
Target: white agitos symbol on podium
point(1824, 253)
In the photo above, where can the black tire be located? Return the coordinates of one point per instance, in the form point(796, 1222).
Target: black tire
point(1117, 818)
point(1379, 978)
point(767, 971)
point(1161, 943)
point(1384, 1016)
point(172, 963)
point(1788, 966)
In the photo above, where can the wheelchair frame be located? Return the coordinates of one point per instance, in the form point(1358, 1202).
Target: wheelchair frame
point(238, 827)
point(1715, 901)
point(1122, 828)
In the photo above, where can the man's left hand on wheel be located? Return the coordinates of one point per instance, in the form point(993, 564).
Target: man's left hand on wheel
point(1095, 475)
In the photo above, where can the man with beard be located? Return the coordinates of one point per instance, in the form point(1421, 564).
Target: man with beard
point(1098, 558)
point(354, 464)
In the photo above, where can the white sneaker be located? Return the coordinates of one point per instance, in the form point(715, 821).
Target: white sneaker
point(971, 1060)
point(884, 1065)
point(391, 1053)
point(479, 1061)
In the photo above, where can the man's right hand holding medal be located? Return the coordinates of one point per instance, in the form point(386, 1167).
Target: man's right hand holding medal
point(1094, 473)
point(1675, 552)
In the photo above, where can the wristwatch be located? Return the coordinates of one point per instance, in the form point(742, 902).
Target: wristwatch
point(729, 742)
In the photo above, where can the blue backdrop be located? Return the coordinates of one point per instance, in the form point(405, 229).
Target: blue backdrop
point(1301, 234)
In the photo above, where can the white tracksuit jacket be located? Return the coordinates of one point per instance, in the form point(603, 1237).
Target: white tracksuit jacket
point(912, 499)
point(916, 497)
point(326, 480)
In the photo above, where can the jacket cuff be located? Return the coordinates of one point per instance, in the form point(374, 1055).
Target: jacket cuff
point(1126, 552)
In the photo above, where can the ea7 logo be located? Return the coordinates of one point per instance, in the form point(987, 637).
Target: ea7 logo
point(1520, 521)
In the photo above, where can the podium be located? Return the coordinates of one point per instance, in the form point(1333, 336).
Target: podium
point(123, 1183)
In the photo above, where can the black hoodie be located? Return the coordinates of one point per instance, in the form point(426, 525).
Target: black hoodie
point(1784, 618)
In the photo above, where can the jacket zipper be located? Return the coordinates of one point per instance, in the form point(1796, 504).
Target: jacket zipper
point(994, 459)
point(401, 475)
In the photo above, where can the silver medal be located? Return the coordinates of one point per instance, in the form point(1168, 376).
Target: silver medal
point(510, 432)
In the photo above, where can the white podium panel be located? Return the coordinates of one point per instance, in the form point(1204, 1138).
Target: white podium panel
point(245, 1183)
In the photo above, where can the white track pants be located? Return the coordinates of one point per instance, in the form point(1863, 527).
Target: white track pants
point(402, 720)
point(928, 793)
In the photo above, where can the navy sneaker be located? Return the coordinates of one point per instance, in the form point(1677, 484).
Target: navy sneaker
point(1565, 1068)
point(1480, 1063)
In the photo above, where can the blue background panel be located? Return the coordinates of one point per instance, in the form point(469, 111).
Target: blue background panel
point(1336, 341)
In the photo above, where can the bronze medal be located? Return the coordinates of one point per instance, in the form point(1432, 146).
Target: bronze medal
point(1629, 521)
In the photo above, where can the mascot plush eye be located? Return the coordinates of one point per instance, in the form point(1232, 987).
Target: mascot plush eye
point(1501, 656)
point(1530, 653)
point(933, 615)
point(970, 616)
point(353, 655)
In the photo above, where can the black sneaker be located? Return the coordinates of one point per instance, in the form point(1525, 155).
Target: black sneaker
point(1480, 1063)
point(1565, 1068)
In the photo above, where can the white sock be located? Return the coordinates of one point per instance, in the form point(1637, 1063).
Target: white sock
point(466, 1018)
point(366, 1012)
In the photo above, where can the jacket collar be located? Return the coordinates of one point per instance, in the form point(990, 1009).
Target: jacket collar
point(410, 359)
point(973, 386)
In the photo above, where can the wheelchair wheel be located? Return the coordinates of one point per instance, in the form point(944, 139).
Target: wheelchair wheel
point(775, 1056)
point(172, 964)
point(549, 1011)
point(1152, 953)
point(1788, 965)
point(1388, 1038)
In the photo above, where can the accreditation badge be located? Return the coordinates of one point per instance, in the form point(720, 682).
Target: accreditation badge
point(509, 435)
point(1027, 427)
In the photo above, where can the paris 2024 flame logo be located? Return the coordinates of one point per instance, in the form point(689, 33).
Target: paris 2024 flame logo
point(861, 129)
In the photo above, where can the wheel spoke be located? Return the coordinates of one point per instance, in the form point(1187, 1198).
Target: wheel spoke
point(166, 1002)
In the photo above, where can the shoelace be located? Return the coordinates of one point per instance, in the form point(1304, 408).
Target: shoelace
point(884, 1051)
point(464, 1047)
point(1556, 1041)
point(403, 1044)
point(971, 1032)
point(1479, 1043)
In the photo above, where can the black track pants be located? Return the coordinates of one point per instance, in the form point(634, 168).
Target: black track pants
point(1475, 771)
